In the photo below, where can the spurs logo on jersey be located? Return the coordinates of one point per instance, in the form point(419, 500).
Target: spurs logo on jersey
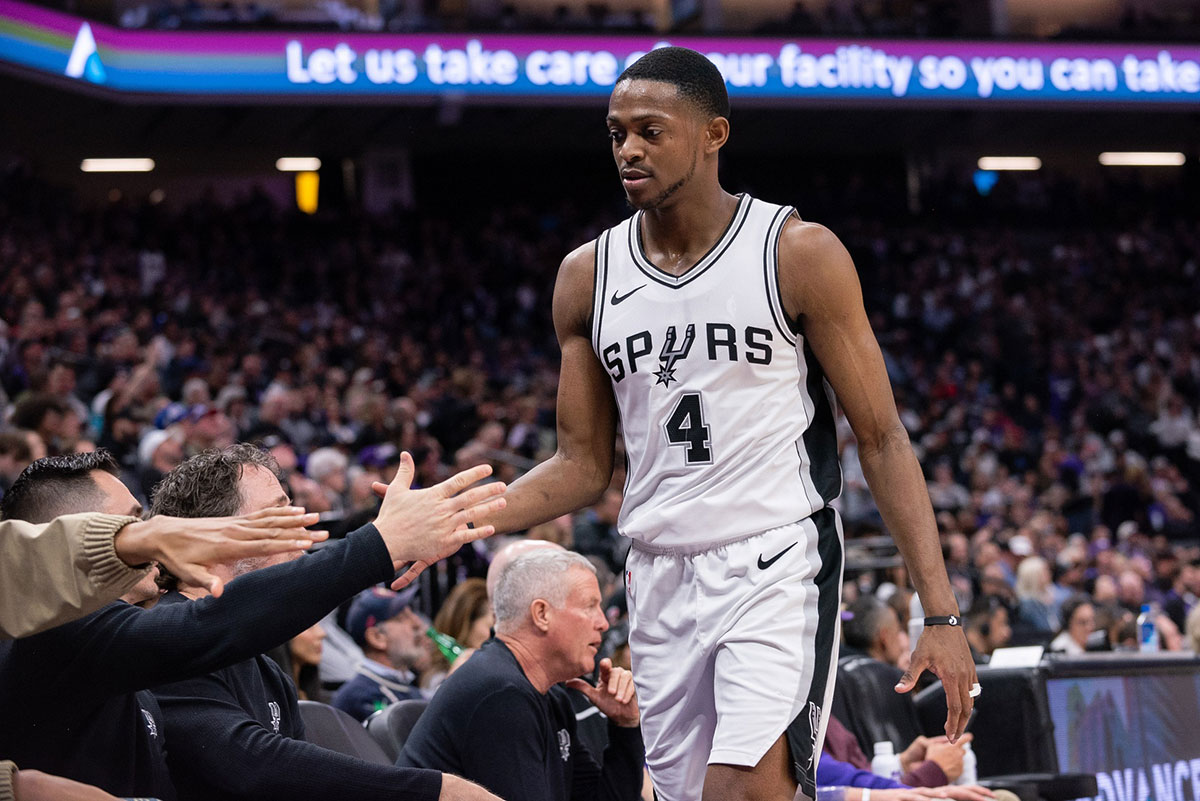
point(670, 353)
point(721, 342)
point(725, 412)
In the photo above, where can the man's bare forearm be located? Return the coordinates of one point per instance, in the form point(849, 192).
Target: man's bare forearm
point(555, 487)
point(896, 482)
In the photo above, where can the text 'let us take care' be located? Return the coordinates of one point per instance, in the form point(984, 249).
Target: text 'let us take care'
point(800, 69)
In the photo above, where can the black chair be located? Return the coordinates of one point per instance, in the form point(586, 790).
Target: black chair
point(389, 727)
point(866, 702)
point(334, 729)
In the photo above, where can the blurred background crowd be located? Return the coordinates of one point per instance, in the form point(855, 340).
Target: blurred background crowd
point(1043, 342)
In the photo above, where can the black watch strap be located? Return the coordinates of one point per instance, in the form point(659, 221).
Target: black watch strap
point(943, 620)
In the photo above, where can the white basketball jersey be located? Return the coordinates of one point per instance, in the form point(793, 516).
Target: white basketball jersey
point(727, 418)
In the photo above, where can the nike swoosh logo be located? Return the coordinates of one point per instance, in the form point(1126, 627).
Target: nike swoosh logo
point(618, 299)
point(763, 565)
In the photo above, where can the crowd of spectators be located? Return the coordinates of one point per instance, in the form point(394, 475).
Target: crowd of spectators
point(1043, 341)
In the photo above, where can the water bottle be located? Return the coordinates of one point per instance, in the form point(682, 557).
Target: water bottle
point(1147, 631)
point(970, 774)
point(886, 762)
point(445, 643)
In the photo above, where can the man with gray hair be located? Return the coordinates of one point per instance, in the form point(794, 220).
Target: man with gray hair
point(504, 720)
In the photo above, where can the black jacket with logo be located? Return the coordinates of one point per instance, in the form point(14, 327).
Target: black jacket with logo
point(487, 723)
point(236, 733)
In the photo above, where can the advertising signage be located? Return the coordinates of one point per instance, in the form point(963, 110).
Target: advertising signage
point(552, 68)
point(1136, 733)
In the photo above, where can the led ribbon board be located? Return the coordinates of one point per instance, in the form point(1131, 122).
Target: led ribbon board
point(549, 67)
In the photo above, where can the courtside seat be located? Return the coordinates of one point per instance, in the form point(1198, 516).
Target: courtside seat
point(390, 726)
point(866, 702)
point(334, 729)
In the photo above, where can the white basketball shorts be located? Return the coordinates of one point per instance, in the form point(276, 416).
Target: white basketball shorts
point(732, 647)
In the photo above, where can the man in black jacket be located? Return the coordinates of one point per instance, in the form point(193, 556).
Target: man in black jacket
point(73, 699)
point(503, 719)
point(236, 732)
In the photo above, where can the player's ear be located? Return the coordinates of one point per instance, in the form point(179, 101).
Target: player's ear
point(716, 134)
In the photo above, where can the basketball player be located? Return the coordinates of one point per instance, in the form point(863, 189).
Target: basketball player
point(713, 326)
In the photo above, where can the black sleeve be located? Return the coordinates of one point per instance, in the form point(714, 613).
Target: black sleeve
point(500, 747)
point(620, 778)
point(214, 737)
point(256, 612)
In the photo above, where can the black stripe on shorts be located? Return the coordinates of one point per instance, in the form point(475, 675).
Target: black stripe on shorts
point(803, 733)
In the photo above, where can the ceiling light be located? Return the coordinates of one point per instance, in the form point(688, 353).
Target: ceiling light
point(117, 165)
point(1010, 163)
point(298, 164)
point(1146, 159)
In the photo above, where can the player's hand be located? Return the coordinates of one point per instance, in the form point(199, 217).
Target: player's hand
point(613, 695)
point(948, 756)
point(190, 547)
point(425, 525)
point(409, 575)
point(943, 651)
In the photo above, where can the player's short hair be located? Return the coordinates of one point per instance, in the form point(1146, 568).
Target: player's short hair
point(207, 485)
point(697, 79)
point(530, 576)
point(57, 485)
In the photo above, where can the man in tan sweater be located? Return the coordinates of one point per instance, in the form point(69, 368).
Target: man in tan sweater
point(55, 572)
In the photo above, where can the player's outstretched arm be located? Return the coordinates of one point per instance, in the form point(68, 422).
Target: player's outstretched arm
point(821, 289)
point(580, 470)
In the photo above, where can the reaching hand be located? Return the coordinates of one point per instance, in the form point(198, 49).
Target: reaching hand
point(614, 695)
point(190, 547)
point(425, 525)
point(943, 651)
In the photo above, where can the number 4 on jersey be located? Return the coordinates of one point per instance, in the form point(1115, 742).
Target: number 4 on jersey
point(686, 427)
